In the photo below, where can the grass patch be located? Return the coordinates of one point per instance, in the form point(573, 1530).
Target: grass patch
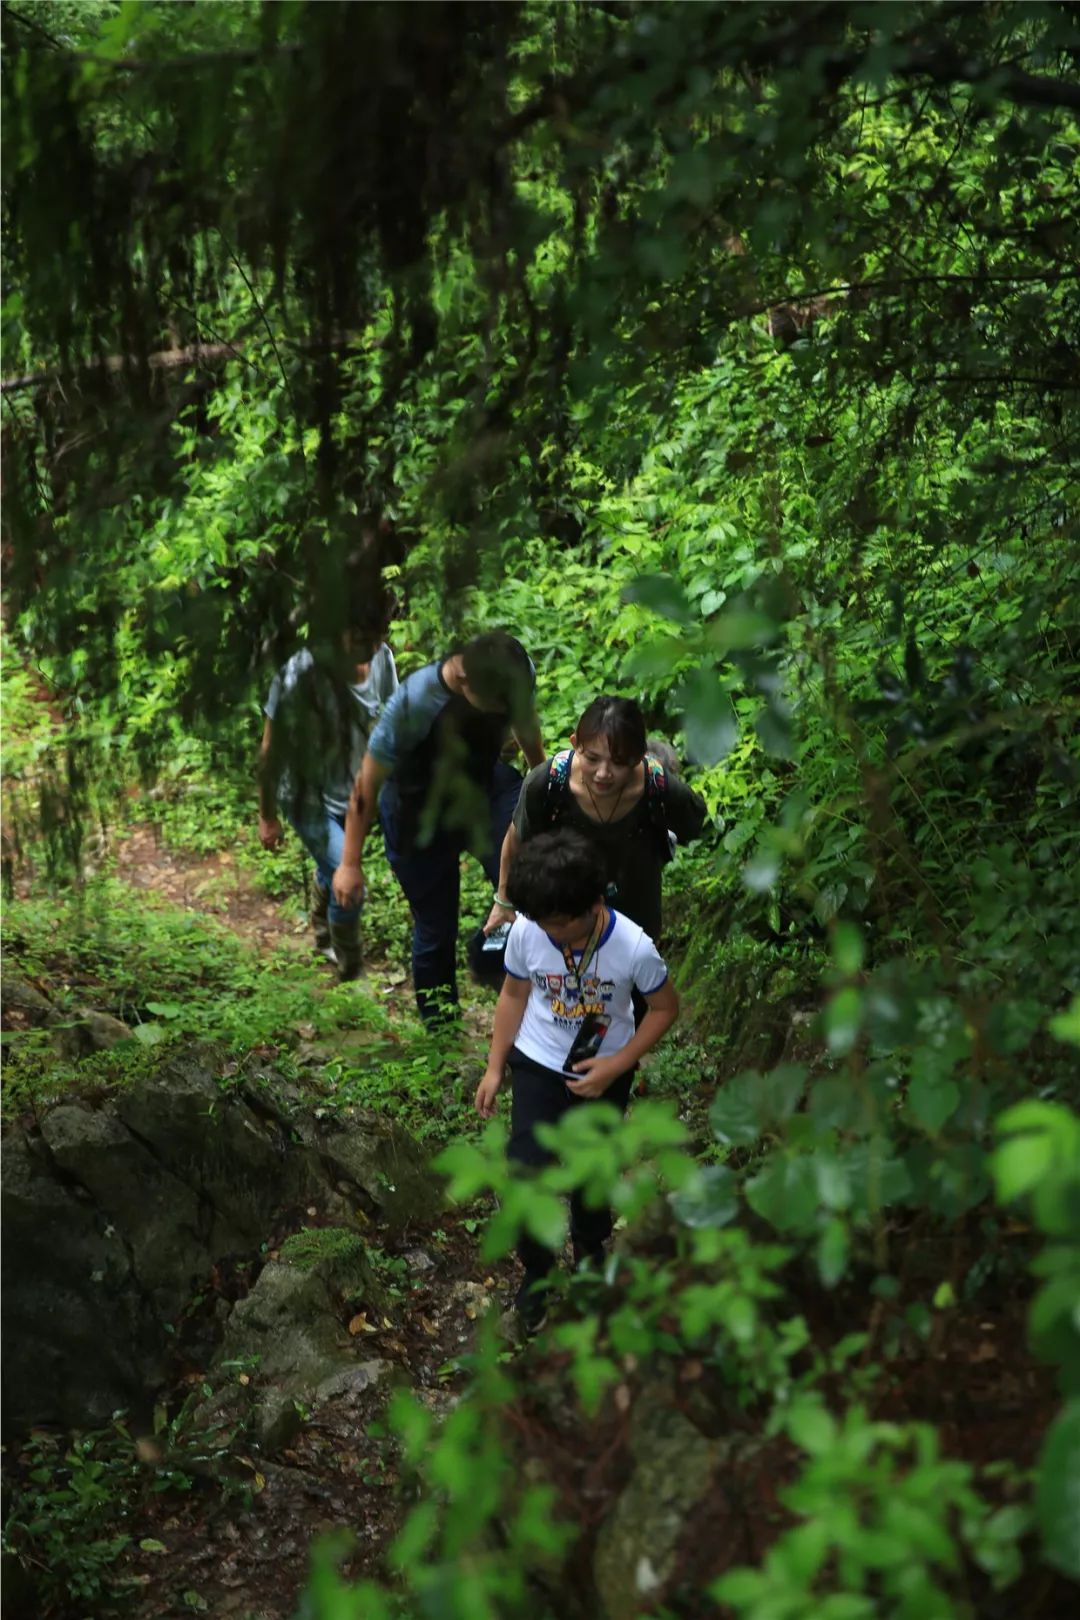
point(171, 977)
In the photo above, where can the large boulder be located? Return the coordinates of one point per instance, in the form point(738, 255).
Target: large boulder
point(638, 1544)
point(81, 1336)
point(290, 1332)
point(113, 1217)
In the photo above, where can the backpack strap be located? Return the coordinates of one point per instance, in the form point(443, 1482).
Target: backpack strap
point(558, 786)
point(557, 791)
point(656, 804)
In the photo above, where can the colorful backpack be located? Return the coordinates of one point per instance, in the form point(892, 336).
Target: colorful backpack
point(558, 792)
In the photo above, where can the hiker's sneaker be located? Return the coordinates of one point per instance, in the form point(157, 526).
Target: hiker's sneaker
point(530, 1306)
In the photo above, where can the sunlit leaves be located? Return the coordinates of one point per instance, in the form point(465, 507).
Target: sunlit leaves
point(1039, 1144)
point(1066, 1025)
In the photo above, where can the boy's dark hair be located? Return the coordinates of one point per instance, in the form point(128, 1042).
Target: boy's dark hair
point(620, 722)
point(499, 670)
point(557, 874)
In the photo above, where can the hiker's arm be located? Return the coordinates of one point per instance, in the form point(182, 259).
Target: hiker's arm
point(348, 883)
point(267, 773)
point(528, 739)
point(598, 1073)
point(509, 1011)
point(504, 914)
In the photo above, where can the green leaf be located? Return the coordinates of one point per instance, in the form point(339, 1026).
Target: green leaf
point(165, 1009)
point(739, 1587)
point(833, 1250)
point(740, 1318)
point(848, 948)
point(741, 627)
point(709, 1199)
point(932, 1101)
point(834, 1102)
point(149, 1034)
point(803, 1551)
point(545, 1218)
point(469, 1169)
point(709, 721)
point(663, 595)
point(811, 1426)
point(877, 1177)
point(841, 1019)
point(150, 1544)
point(651, 660)
point(733, 1115)
point(921, 1528)
point(1037, 1135)
point(846, 1606)
point(779, 1092)
point(773, 726)
point(1066, 1025)
point(1057, 1493)
point(785, 1193)
point(833, 1181)
point(415, 1536)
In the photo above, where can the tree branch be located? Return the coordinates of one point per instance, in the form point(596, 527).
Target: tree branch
point(1012, 83)
point(112, 363)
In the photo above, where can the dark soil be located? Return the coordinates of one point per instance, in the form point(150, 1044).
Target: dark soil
point(213, 885)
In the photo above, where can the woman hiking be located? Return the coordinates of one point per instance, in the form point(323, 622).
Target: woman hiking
point(610, 787)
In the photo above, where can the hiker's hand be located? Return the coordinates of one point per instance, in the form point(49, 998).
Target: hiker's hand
point(595, 1075)
point(487, 1094)
point(269, 831)
point(348, 885)
point(496, 917)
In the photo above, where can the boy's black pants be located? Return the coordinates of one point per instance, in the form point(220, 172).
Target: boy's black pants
point(539, 1096)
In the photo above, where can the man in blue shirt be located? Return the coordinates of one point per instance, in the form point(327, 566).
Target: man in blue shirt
point(319, 713)
point(436, 756)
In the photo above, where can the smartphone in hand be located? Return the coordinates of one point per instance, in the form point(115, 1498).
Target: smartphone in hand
point(588, 1040)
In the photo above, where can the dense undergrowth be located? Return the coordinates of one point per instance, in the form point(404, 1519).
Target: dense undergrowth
point(728, 356)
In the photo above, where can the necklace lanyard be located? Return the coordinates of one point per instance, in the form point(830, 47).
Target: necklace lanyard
point(588, 953)
point(605, 821)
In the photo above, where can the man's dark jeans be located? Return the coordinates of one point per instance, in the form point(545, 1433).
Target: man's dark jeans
point(431, 879)
point(540, 1097)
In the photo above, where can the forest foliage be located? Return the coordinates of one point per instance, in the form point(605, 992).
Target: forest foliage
point(729, 355)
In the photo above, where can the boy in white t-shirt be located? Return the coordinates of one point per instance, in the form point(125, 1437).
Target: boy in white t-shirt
point(565, 1021)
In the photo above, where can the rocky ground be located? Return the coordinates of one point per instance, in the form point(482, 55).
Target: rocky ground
point(250, 1483)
